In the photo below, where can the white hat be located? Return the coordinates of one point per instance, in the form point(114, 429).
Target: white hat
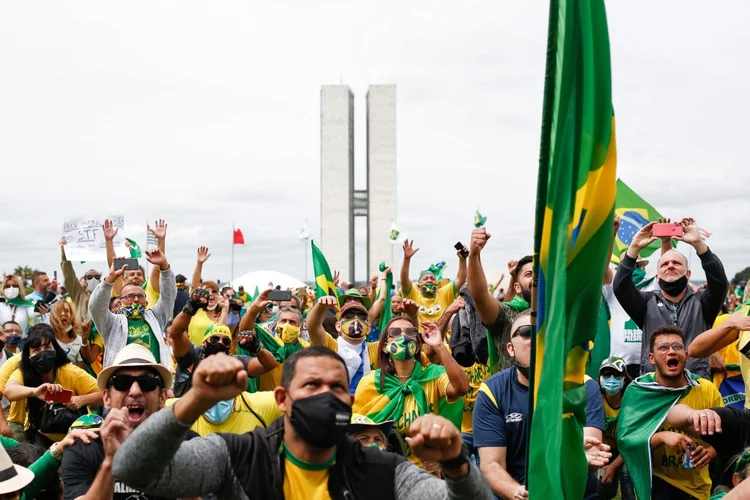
point(134, 356)
point(12, 477)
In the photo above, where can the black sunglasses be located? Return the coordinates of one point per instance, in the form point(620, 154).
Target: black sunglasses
point(94, 277)
point(354, 314)
point(524, 331)
point(213, 339)
point(147, 382)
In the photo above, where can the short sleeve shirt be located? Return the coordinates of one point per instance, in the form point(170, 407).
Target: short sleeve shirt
point(431, 309)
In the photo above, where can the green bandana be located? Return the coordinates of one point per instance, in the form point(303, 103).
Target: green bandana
point(397, 393)
point(518, 304)
point(638, 278)
point(19, 302)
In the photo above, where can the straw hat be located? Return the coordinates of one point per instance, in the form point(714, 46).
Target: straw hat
point(134, 356)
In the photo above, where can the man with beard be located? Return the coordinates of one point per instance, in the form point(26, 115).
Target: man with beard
point(307, 454)
point(431, 298)
point(497, 316)
point(134, 388)
point(352, 326)
point(501, 419)
point(675, 303)
point(644, 436)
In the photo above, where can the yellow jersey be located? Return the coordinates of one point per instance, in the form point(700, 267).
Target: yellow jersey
point(477, 374)
point(667, 463)
point(17, 412)
point(431, 309)
point(304, 479)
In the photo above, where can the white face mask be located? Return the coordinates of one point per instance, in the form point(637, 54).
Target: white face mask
point(91, 284)
point(11, 293)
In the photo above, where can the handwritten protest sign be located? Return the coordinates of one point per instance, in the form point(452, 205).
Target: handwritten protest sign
point(85, 237)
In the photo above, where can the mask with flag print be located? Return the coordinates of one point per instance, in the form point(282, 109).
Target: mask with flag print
point(133, 311)
point(402, 348)
point(376, 446)
point(288, 333)
point(355, 329)
point(428, 289)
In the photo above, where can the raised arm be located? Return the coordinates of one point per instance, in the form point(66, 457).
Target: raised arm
point(461, 274)
point(89, 352)
point(631, 299)
point(409, 252)
point(719, 336)
point(263, 362)
point(165, 305)
point(160, 231)
point(177, 331)
point(315, 319)
point(459, 381)
point(487, 306)
point(71, 282)
point(203, 256)
point(99, 302)
point(379, 302)
point(608, 273)
point(247, 323)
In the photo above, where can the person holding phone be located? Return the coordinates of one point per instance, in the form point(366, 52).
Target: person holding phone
point(44, 373)
point(135, 324)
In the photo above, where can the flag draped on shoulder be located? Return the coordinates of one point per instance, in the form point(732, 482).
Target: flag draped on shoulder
point(323, 278)
point(644, 408)
point(575, 206)
point(634, 213)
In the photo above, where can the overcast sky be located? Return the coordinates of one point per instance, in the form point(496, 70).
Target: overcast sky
point(205, 113)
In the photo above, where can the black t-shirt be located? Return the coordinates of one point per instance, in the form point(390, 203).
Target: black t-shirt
point(735, 432)
point(81, 463)
point(186, 365)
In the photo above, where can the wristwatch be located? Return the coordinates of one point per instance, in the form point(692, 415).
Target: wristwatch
point(56, 454)
point(456, 463)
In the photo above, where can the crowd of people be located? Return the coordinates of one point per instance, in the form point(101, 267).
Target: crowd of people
point(125, 384)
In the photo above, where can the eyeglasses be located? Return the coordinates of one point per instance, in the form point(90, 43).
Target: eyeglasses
point(522, 331)
point(147, 382)
point(11, 332)
point(213, 339)
point(409, 331)
point(133, 296)
point(676, 346)
point(229, 296)
point(94, 277)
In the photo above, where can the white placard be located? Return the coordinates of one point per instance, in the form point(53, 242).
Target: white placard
point(85, 237)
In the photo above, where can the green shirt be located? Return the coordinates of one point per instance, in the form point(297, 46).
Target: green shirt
point(139, 332)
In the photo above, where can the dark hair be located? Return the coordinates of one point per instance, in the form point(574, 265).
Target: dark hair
point(526, 259)
point(289, 368)
point(112, 299)
point(10, 323)
point(26, 454)
point(665, 330)
point(37, 275)
point(385, 360)
point(38, 335)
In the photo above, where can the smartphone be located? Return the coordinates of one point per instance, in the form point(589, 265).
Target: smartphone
point(667, 230)
point(38, 303)
point(280, 295)
point(49, 297)
point(131, 263)
point(460, 246)
point(59, 397)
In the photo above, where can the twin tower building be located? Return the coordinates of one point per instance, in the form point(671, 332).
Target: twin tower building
point(340, 202)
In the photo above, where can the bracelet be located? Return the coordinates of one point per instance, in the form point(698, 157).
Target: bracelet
point(84, 345)
point(457, 462)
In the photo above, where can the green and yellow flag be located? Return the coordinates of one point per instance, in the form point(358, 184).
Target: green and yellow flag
point(575, 207)
point(323, 278)
point(479, 219)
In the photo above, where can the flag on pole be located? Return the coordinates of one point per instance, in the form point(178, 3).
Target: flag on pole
point(151, 240)
point(575, 206)
point(394, 232)
point(479, 219)
point(135, 250)
point(323, 277)
point(304, 234)
point(634, 213)
point(387, 314)
point(239, 239)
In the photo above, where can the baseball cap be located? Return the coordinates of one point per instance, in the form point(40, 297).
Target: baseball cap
point(361, 422)
point(354, 294)
point(134, 356)
point(352, 305)
point(615, 363)
point(180, 279)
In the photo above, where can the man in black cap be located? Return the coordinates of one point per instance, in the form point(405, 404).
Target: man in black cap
point(182, 294)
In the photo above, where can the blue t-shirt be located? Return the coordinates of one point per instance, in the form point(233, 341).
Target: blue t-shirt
point(500, 417)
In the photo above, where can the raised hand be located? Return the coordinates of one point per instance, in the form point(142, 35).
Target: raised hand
point(157, 258)
point(336, 276)
point(409, 249)
point(115, 273)
point(409, 307)
point(328, 302)
point(219, 378)
point(115, 429)
point(203, 255)
point(690, 233)
point(109, 230)
point(479, 238)
point(198, 300)
point(261, 301)
point(644, 237)
point(159, 230)
point(434, 439)
point(431, 334)
point(249, 341)
point(85, 331)
point(456, 305)
point(63, 241)
point(616, 224)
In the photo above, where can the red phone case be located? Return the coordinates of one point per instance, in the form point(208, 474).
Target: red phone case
point(60, 397)
point(668, 229)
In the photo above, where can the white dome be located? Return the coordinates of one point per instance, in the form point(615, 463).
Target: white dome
point(261, 279)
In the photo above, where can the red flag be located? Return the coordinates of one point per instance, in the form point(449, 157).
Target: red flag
point(238, 238)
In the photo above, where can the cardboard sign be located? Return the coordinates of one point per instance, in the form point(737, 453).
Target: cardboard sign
point(85, 237)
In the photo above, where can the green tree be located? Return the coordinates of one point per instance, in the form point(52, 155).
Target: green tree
point(25, 273)
point(743, 275)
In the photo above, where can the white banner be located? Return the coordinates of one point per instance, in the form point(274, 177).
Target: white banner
point(85, 237)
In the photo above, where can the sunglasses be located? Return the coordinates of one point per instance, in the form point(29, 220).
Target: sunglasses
point(354, 314)
point(147, 382)
point(409, 331)
point(94, 277)
point(523, 331)
point(9, 285)
point(213, 339)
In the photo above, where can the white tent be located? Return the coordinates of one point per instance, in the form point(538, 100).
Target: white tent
point(261, 279)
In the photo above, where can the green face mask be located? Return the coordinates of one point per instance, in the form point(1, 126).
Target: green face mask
point(638, 275)
point(402, 348)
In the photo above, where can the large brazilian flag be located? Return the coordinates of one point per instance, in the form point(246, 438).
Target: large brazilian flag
point(634, 213)
point(575, 208)
point(323, 277)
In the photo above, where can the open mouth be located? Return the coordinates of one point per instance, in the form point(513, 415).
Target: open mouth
point(136, 412)
point(673, 363)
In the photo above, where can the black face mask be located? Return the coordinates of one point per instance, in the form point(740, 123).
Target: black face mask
point(44, 362)
point(524, 370)
point(673, 288)
point(215, 348)
point(321, 420)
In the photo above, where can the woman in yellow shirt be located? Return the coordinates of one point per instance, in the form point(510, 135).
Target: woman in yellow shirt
point(46, 370)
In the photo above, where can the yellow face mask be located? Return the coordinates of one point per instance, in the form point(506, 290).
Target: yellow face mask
point(288, 333)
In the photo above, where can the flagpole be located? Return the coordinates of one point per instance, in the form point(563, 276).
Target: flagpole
point(304, 256)
point(148, 264)
point(232, 276)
